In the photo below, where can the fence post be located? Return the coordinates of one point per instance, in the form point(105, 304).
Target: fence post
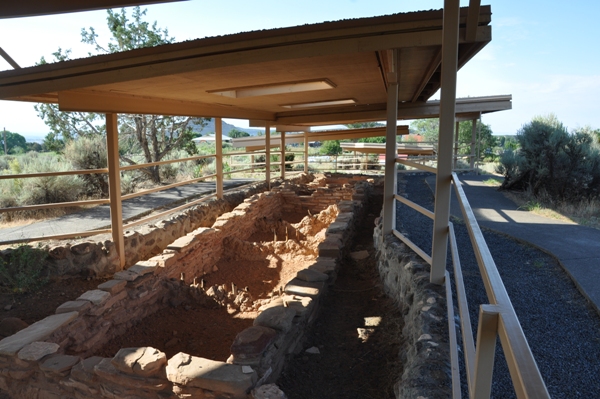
point(268, 154)
point(305, 152)
point(219, 155)
point(487, 331)
point(473, 139)
point(114, 186)
point(282, 155)
point(456, 145)
point(389, 187)
point(443, 180)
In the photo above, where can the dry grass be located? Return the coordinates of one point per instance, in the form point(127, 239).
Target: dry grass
point(584, 213)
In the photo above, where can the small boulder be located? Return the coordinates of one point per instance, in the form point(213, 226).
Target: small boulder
point(11, 325)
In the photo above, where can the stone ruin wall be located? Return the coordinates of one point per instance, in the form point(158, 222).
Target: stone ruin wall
point(52, 358)
point(425, 353)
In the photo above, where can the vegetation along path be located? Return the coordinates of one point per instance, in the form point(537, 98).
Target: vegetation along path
point(99, 217)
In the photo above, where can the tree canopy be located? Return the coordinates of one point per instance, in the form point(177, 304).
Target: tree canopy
point(15, 143)
point(236, 133)
point(151, 136)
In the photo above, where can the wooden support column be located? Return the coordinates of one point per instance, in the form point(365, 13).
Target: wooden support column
point(282, 155)
point(305, 152)
point(268, 154)
point(252, 163)
point(443, 183)
point(389, 188)
point(114, 187)
point(456, 144)
point(473, 141)
point(219, 157)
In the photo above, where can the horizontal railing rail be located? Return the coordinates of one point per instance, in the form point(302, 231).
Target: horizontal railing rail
point(51, 174)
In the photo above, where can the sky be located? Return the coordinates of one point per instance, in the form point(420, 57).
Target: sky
point(545, 53)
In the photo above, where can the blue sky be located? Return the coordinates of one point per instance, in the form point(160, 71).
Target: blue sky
point(545, 53)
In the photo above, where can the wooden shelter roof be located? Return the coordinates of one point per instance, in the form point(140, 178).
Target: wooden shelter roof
point(326, 73)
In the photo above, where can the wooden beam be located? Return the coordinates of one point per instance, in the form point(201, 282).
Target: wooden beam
point(32, 8)
point(389, 188)
point(114, 186)
point(268, 154)
point(282, 140)
point(433, 66)
point(96, 101)
point(101, 73)
point(472, 20)
point(9, 59)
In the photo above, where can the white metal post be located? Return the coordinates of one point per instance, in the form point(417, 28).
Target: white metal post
point(268, 154)
point(219, 155)
point(305, 152)
point(389, 188)
point(447, 117)
point(114, 186)
point(282, 155)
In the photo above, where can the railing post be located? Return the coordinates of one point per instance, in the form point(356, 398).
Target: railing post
point(456, 145)
point(389, 188)
point(447, 117)
point(473, 140)
point(114, 186)
point(485, 351)
point(252, 163)
point(282, 155)
point(268, 154)
point(305, 152)
point(219, 156)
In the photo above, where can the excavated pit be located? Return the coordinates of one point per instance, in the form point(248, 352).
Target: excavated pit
point(213, 315)
point(203, 318)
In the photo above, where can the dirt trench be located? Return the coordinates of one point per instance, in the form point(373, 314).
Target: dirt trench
point(356, 358)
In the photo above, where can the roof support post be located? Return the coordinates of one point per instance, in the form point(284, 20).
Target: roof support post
point(473, 140)
point(456, 145)
point(305, 152)
point(114, 187)
point(219, 155)
point(443, 181)
point(282, 155)
point(268, 154)
point(389, 189)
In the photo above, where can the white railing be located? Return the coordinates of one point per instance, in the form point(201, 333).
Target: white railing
point(496, 319)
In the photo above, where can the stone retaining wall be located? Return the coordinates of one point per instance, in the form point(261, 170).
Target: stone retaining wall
point(426, 353)
point(97, 256)
point(51, 358)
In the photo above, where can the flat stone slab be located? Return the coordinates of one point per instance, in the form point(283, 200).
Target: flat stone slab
point(252, 341)
point(337, 227)
point(144, 361)
point(311, 275)
point(59, 363)
point(143, 268)
point(125, 275)
point(73, 306)
point(324, 265)
point(38, 331)
point(300, 304)
point(37, 350)
point(360, 255)
point(192, 371)
point(113, 286)
point(304, 288)
point(278, 318)
point(96, 297)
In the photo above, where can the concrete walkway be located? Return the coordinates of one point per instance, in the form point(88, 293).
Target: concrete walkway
point(99, 216)
point(576, 247)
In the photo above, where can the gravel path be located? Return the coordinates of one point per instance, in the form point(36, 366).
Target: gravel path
point(562, 329)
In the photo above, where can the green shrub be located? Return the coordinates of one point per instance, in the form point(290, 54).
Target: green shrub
point(22, 270)
point(44, 190)
point(90, 153)
point(551, 160)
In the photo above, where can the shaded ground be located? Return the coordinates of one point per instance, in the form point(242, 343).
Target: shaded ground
point(31, 307)
point(349, 366)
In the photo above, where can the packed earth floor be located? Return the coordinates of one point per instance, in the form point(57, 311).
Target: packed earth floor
point(561, 327)
point(352, 350)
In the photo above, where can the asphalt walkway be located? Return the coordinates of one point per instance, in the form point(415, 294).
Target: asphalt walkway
point(576, 247)
point(99, 216)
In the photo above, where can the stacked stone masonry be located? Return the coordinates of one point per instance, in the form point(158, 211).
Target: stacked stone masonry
point(53, 358)
point(426, 353)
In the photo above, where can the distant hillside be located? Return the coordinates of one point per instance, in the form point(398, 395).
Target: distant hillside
point(210, 128)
